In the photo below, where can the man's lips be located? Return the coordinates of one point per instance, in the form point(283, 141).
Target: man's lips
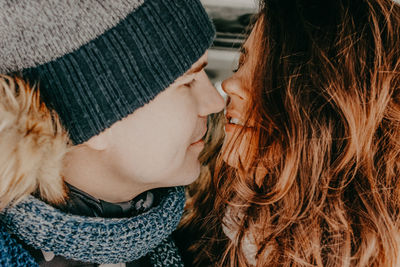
point(200, 139)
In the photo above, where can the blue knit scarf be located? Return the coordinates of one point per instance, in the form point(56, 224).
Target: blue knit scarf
point(99, 240)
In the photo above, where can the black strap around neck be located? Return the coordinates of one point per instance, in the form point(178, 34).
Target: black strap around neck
point(83, 204)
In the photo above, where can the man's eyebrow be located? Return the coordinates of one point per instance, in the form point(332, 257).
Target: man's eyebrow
point(197, 69)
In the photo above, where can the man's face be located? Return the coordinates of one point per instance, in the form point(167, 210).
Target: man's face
point(159, 144)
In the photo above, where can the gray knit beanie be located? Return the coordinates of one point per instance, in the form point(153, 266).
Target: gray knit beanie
point(97, 61)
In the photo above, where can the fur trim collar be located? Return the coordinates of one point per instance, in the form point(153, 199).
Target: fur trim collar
point(32, 145)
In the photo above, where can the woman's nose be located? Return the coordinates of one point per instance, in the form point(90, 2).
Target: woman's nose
point(233, 88)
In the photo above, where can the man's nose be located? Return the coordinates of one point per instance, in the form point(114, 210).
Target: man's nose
point(211, 100)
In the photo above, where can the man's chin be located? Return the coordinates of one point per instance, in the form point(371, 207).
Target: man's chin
point(184, 177)
point(191, 176)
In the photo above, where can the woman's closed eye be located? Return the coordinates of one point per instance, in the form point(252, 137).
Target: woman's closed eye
point(242, 59)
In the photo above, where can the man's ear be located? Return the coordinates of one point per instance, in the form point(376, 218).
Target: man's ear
point(99, 142)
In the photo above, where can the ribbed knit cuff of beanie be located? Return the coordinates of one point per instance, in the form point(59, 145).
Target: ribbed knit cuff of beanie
point(97, 61)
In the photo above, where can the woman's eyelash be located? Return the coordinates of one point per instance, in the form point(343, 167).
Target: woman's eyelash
point(240, 63)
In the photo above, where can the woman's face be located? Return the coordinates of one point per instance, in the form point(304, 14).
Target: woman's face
point(236, 151)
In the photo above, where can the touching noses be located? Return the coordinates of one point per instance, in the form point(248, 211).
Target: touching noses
point(210, 100)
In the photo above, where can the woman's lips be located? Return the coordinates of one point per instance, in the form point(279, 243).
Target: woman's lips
point(229, 127)
point(231, 113)
point(234, 121)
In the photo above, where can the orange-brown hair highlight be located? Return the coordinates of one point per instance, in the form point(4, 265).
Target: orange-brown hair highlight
point(326, 100)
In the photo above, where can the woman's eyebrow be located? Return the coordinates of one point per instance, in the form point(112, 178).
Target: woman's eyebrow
point(197, 68)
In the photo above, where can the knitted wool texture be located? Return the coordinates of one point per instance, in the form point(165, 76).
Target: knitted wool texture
point(97, 61)
point(99, 240)
point(12, 253)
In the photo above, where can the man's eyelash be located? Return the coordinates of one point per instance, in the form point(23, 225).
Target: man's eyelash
point(190, 83)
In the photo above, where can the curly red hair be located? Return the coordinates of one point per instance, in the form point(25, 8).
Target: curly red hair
point(326, 96)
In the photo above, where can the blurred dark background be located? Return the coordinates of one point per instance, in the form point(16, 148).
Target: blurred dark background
point(231, 19)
